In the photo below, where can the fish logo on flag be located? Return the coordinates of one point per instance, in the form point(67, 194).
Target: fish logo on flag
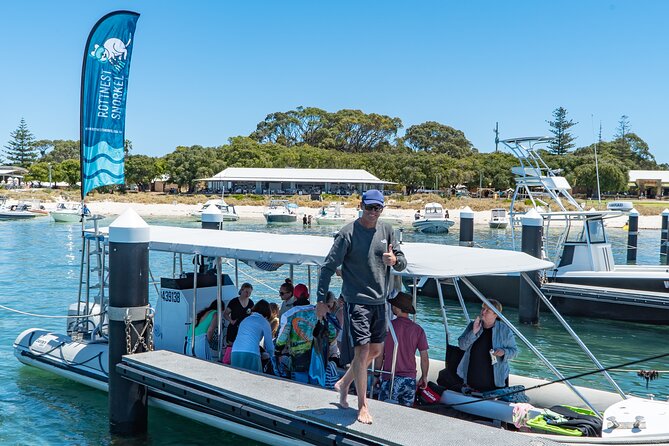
point(104, 91)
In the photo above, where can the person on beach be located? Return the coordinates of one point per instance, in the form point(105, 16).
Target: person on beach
point(489, 345)
point(238, 309)
point(252, 330)
point(410, 338)
point(365, 249)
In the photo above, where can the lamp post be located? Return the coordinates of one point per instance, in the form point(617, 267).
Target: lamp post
point(50, 185)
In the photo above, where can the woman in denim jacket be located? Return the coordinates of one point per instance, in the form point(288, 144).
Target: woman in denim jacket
point(489, 345)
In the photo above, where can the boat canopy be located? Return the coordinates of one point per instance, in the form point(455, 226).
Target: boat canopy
point(424, 259)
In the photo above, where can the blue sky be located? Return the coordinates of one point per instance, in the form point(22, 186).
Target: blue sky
point(203, 71)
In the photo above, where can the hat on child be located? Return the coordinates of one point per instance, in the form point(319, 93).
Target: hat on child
point(404, 302)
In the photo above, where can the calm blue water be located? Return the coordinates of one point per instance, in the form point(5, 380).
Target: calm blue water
point(39, 272)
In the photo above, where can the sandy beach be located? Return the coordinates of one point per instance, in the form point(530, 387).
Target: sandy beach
point(405, 216)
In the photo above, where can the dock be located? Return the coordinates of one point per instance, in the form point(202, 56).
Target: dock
point(301, 412)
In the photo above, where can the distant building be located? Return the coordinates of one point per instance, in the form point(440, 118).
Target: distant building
point(12, 175)
point(293, 181)
point(650, 183)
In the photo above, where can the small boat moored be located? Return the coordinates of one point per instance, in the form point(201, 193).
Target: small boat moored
point(331, 215)
point(281, 211)
point(434, 220)
point(498, 218)
point(228, 211)
point(67, 212)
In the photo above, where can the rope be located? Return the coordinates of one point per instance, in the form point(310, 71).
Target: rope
point(580, 375)
point(25, 313)
point(255, 279)
point(576, 367)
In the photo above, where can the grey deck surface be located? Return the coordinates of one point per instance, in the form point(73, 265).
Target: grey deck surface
point(392, 423)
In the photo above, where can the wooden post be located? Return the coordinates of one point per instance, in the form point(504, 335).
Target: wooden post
point(528, 301)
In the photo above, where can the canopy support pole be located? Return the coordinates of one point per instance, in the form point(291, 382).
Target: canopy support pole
point(529, 345)
point(573, 334)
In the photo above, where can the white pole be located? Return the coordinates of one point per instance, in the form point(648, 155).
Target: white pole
point(599, 193)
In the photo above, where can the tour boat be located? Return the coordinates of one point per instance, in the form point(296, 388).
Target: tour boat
point(266, 408)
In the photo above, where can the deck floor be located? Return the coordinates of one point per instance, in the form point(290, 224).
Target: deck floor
point(393, 424)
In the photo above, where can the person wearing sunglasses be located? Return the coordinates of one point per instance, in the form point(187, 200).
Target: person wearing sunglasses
point(365, 249)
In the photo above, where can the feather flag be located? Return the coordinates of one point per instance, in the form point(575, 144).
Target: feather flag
point(104, 91)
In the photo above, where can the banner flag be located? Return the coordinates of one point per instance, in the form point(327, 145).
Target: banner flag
point(104, 90)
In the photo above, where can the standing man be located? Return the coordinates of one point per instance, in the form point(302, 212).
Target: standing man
point(365, 249)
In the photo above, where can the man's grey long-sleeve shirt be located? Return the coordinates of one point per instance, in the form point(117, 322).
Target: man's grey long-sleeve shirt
point(359, 251)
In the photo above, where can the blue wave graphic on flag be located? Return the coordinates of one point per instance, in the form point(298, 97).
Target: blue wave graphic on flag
point(102, 165)
point(103, 155)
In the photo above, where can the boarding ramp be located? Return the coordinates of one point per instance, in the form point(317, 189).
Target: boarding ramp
point(298, 411)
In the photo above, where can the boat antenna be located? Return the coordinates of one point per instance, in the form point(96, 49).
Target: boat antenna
point(592, 125)
point(496, 130)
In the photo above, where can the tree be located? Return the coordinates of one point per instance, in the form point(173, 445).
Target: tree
point(62, 150)
point(560, 126)
point(20, 149)
point(623, 129)
point(141, 170)
point(439, 138)
point(611, 177)
point(186, 164)
point(43, 146)
point(68, 171)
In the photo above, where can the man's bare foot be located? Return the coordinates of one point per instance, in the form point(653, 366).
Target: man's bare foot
point(343, 394)
point(364, 416)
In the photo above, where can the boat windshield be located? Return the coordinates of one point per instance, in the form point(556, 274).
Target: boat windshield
point(576, 232)
point(596, 230)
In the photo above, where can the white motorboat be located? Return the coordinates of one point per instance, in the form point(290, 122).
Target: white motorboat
point(81, 353)
point(498, 218)
point(331, 215)
point(281, 211)
point(67, 212)
point(20, 211)
point(434, 220)
point(228, 211)
point(586, 280)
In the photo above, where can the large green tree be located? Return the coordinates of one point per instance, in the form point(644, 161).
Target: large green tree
point(141, 170)
point(186, 164)
point(20, 150)
point(62, 150)
point(559, 127)
point(439, 138)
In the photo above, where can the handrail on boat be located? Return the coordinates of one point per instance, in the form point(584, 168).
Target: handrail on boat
point(573, 334)
point(530, 345)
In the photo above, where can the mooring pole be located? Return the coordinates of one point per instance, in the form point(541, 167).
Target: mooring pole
point(528, 302)
point(663, 236)
point(632, 236)
point(467, 227)
point(212, 218)
point(128, 310)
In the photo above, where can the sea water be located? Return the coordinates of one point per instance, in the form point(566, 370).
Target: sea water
point(39, 274)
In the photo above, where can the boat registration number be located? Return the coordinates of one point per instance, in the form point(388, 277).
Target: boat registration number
point(171, 296)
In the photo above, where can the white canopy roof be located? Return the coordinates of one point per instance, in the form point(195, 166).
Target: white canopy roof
point(424, 259)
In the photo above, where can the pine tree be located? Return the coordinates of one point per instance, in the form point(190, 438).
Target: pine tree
point(20, 150)
point(623, 129)
point(560, 126)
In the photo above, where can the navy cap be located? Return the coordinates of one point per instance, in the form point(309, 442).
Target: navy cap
point(372, 196)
